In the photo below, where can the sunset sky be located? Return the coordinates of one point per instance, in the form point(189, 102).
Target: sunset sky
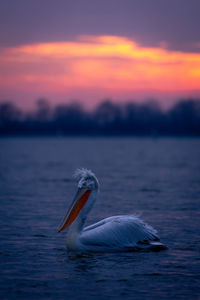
point(92, 50)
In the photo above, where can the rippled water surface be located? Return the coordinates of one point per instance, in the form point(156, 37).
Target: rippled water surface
point(158, 178)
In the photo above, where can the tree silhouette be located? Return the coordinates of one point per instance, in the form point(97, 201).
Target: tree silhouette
point(107, 118)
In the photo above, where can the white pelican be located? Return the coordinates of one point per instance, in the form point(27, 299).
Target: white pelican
point(117, 233)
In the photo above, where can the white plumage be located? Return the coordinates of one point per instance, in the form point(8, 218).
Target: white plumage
point(117, 233)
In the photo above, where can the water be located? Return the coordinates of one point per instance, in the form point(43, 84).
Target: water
point(159, 178)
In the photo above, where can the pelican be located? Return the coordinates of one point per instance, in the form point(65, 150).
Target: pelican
point(113, 234)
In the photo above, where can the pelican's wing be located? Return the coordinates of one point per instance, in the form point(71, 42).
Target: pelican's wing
point(118, 232)
point(100, 223)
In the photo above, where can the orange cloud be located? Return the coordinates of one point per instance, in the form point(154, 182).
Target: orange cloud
point(113, 64)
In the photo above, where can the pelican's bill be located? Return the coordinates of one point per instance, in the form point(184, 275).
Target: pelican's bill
point(78, 203)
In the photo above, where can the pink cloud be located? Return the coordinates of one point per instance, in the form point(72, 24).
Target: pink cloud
point(91, 68)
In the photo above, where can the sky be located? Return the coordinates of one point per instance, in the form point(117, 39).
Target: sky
point(92, 50)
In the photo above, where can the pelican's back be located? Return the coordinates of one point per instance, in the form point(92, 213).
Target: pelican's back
point(119, 233)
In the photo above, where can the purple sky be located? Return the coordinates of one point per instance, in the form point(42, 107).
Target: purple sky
point(149, 22)
point(159, 26)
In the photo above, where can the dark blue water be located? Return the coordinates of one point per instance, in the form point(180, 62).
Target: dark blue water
point(158, 178)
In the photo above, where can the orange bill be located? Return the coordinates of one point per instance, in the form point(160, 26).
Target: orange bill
point(77, 205)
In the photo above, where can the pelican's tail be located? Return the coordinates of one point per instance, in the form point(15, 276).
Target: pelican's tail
point(151, 246)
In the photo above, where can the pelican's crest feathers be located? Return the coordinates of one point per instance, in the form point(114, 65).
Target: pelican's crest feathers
point(84, 173)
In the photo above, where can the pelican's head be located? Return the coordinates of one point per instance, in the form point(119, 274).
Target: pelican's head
point(86, 179)
point(87, 185)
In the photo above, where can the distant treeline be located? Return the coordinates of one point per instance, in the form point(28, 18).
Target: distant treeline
point(108, 118)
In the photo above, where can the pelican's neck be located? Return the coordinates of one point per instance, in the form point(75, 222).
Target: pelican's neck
point(75, 229)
